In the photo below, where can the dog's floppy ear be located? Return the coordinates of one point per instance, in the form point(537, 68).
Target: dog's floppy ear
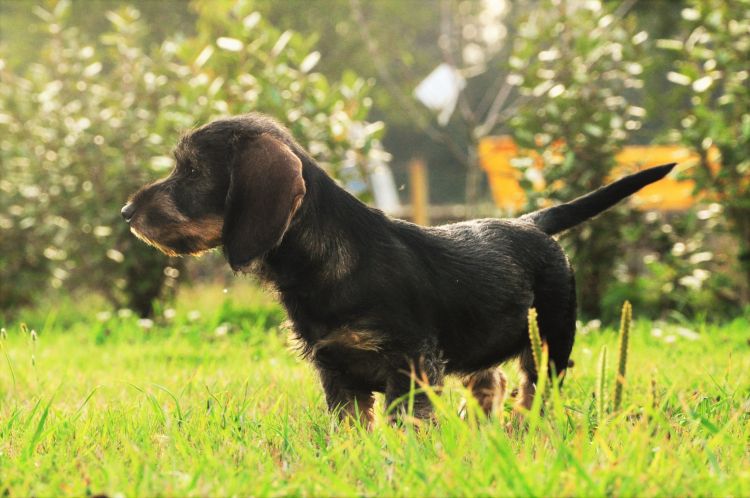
point(265, 189)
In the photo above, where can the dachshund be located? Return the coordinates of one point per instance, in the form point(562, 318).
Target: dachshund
point(376, 303)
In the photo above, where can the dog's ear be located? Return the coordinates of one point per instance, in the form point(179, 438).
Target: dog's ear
point(265, 190)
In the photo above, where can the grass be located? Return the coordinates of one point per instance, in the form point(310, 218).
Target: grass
point(216, 404)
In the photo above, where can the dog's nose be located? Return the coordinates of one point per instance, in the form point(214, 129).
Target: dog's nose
point(127, 211)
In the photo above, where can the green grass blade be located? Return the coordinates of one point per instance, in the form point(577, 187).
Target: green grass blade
point(38, 432)
point(180, 418)
point(601, 387)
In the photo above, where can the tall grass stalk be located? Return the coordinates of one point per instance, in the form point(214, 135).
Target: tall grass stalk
point(540, 353)
point(534, 417)
point(622, 353)
point(3, 339)
point(536, 340)
point(601, 386)
point(653, 395)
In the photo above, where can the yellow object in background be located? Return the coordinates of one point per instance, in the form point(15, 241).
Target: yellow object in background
point(497, 153)
point(668, 194)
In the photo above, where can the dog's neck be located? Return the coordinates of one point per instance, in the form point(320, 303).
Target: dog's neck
point(321, 244)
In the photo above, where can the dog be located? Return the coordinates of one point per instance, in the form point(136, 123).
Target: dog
point(375, 302)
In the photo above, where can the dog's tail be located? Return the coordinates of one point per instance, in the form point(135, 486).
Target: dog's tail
point(559, 218)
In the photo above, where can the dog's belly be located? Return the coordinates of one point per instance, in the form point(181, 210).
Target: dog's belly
point(482, 337)
point(490, 355)
point(484, 351)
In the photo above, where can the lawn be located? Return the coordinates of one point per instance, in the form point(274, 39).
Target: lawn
point(210, 400)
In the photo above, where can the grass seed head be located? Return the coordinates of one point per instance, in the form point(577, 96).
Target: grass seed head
point(654, 401)
point(622, 353)
point(601, 386)
point(536, 340)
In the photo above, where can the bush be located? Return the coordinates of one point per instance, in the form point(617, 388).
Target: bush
point(677, 263)
point(711, 73)
point(577, 65)
point(90, 121)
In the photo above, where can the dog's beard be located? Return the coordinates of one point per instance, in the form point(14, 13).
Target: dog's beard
point(165, 248)
point(148, 240)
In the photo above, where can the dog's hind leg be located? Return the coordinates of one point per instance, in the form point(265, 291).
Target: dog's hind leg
point(555, 302)
point(488, 387)
point(556, 308)
point(527, 389)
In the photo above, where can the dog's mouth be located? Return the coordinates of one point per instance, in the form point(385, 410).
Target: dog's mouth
point(166, 249)
point(182, 239)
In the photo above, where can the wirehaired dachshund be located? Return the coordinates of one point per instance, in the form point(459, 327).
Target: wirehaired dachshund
point(374, 301)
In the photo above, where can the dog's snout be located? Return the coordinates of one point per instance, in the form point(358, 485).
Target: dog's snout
point(127, 211)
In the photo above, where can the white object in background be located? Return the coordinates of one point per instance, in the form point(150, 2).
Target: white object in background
point(439, 91)
point(384, 188)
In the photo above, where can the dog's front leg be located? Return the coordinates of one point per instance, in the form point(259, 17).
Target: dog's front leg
point(346, 403)
point(426, 372)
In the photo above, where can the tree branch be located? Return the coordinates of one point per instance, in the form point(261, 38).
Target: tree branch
point(406, 102)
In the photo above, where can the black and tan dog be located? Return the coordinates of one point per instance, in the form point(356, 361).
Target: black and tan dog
point(373, 300)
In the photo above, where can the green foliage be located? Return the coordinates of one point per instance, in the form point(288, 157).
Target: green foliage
point(576, 64)
point(712, 71)
point(179, 408)
point(91, 120)
point(677, 264)
point(74, 146)
point(247, 64)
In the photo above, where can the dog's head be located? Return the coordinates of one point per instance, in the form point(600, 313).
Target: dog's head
point(236, 183)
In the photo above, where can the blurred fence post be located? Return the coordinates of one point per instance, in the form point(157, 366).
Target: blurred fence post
point(420, 202)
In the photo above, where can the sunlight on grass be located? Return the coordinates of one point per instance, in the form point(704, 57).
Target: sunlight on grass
point(217, 404)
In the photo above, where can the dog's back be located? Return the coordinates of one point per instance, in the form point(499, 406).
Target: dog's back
point(483, 276)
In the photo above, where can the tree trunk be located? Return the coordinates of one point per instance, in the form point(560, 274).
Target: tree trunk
point(473, 181)
point(145, 278)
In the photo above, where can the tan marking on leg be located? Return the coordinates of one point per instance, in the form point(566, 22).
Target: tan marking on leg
point(488, 387)
point(363, 340)
point(527, 389)
point(359, 408)
point(526, 394)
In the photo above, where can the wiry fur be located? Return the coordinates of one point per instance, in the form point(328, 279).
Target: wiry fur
point(373, 300)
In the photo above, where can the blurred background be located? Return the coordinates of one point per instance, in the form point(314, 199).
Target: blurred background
point(433, 110)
